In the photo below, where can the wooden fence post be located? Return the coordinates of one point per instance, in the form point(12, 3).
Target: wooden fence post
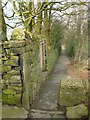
point(42, 55)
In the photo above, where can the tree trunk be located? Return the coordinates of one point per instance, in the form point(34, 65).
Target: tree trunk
point(0, 21)
point(29, 24)
point(39, 20)
point(3, 33)
point(46, 26)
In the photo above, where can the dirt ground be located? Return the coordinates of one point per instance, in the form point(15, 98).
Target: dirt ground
point(78, 72)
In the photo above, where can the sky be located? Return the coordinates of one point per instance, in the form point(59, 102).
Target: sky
point(8, 10)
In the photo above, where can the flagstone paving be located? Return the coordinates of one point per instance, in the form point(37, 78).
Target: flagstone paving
point(46, 104)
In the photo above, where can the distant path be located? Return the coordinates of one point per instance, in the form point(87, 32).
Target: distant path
point(48, 95)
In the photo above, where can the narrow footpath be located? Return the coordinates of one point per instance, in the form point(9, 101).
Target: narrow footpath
point(46, 105)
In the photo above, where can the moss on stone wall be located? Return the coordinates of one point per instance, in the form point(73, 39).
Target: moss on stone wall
point(72, 92)
point(6, 68)
point(11, 76)
point(79, 112)
point(12, 100)
point(18, 34)
point(21, 70)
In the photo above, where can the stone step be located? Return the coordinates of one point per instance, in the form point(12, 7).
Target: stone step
point(50, 114)
point(57, 112)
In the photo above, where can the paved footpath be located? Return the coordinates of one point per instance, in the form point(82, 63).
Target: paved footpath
point(45, 106)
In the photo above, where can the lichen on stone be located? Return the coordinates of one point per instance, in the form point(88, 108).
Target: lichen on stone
point(9, 91)
point(18, 34)
point(78, 111)
point(72, 92)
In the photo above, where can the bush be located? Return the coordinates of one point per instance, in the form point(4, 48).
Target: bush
point(56, 35)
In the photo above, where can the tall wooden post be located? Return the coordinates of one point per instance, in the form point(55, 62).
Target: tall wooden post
point(42, 55)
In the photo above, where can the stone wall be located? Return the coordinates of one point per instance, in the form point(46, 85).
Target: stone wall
point(23, 70)
point(20, 72)
point(12, 81)
point(73, 96)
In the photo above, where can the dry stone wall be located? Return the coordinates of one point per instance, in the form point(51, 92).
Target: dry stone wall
point(73, 95)
point(11, 73)
point(18, 63)
point(24, 63)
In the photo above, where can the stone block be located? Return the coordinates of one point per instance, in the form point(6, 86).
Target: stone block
point(18, 34)
point(13, 112)
point(11, 99)
point(9, 92)
point(16, 88)
point(78, 111)
point(15, 58)
point(20, 50)
point(12, 80)
point(6, 77)
point(6, 68)
point(17, 68)
point(17, 44)
point(41, 116)
point(72, 92)
point(13, 72)
point(6, 45)
point(19, 84)
point(4, 58)
point(8, 51)
point(11, 62)
point(14, 44)
point(15, 79)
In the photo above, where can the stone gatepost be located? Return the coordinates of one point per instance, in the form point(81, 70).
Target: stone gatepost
point(27, 83)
